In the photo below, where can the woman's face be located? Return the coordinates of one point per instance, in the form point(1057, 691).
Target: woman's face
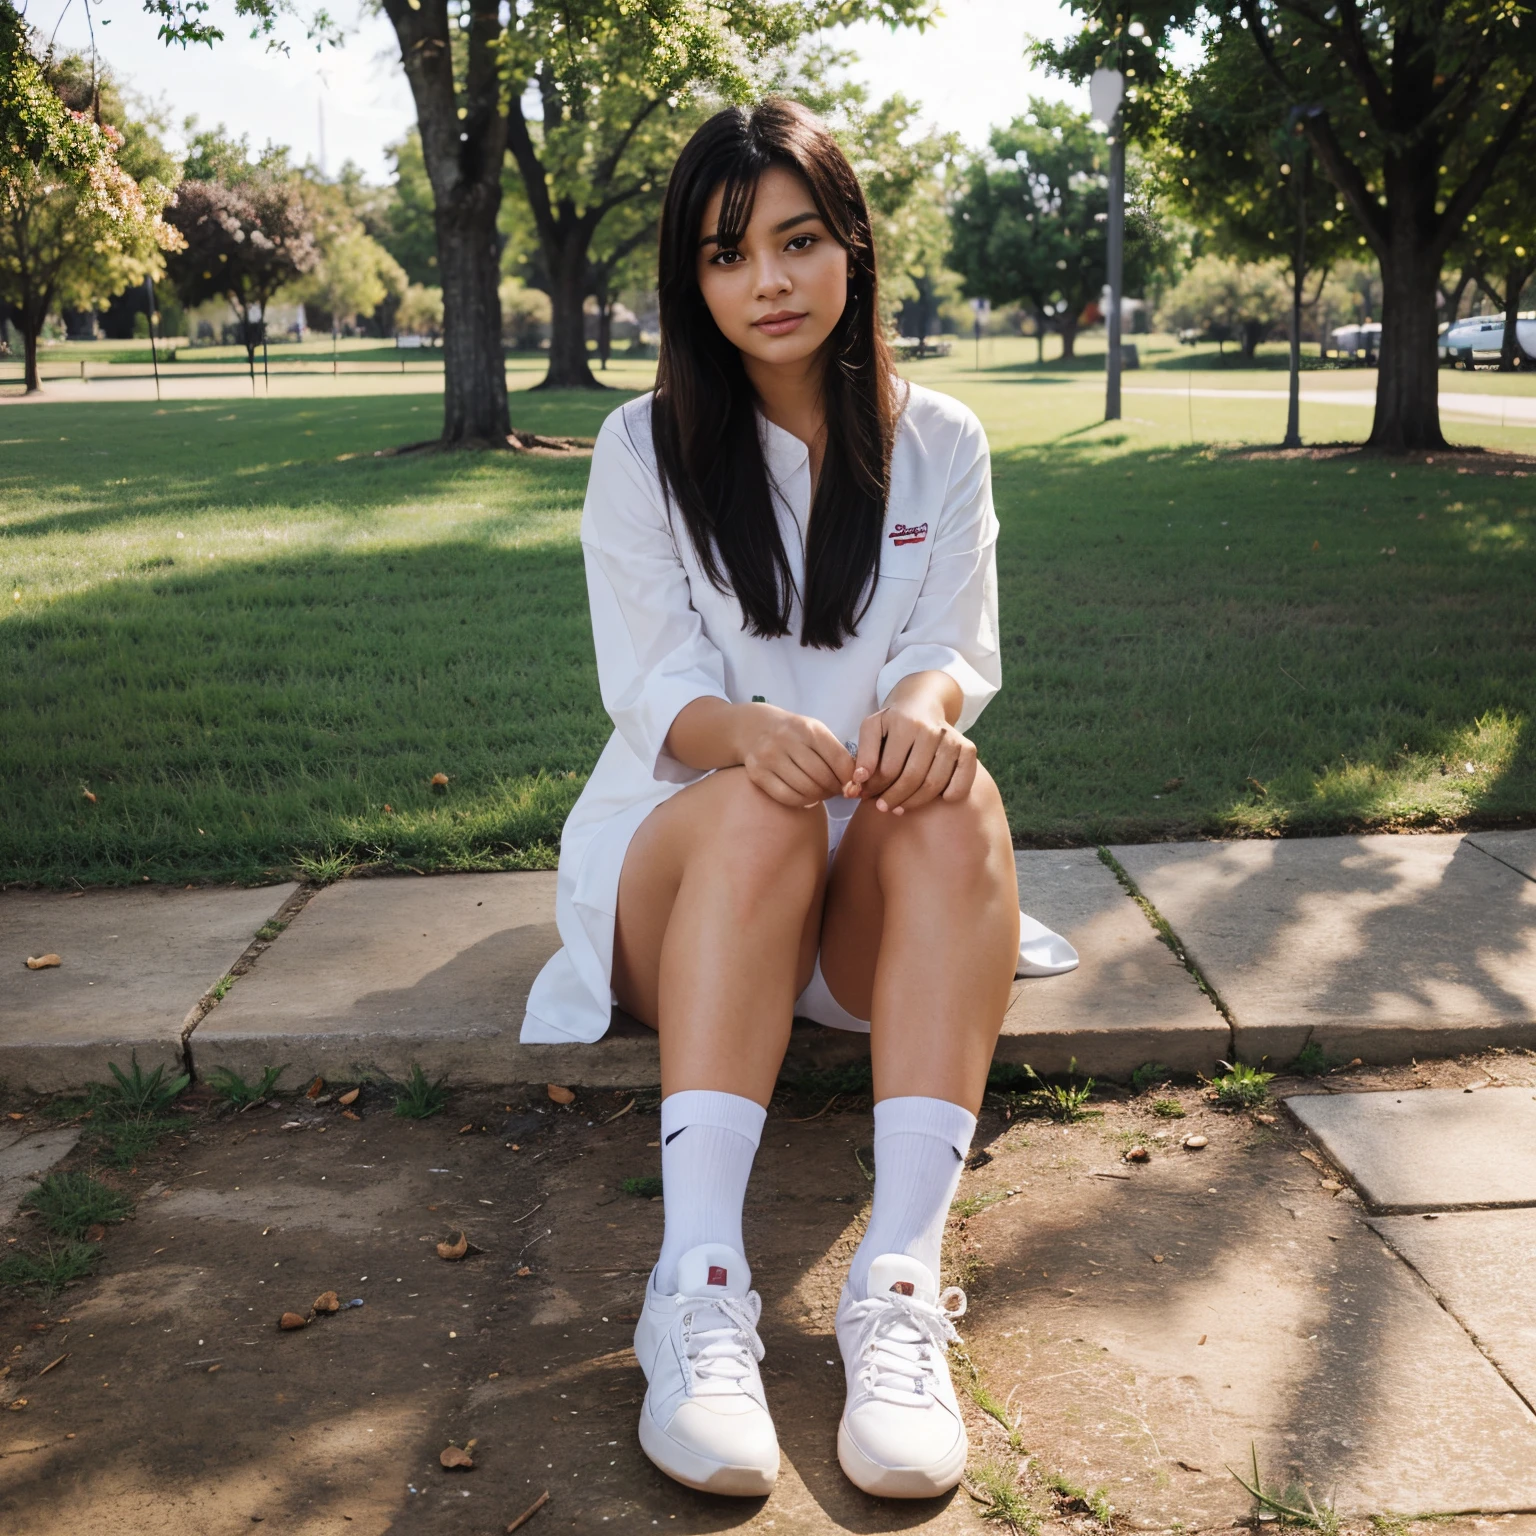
point(777, 294)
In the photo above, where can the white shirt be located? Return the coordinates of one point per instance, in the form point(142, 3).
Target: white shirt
point(665, 635)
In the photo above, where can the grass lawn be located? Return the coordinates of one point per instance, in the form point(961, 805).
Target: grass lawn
point(254, 642)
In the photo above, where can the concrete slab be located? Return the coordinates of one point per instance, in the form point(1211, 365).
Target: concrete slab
point(1380, 947)
point(383, 973)
point(380, 974)
point(136, 962)
point(1516, 849)
point(25, 1156)
point(1129, 1002)
point(1429, 1149)
point(1479, 1264)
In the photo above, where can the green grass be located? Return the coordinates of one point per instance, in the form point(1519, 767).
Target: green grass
point(419, 1097)
point(234, 1089)
point(124, 1119)
point(48, 1272)
point(71, 1203)
point(272, 690)
point(646, 1186)
point(1241, 1086)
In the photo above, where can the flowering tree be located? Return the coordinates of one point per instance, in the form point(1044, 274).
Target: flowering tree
point(75, 227)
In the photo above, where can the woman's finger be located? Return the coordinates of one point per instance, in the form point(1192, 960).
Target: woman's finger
point(965, 772)
point(939, 775)
point(867, 761)
point(808, 761)
point(919, 760)
point(778, 789)
point(836, 758)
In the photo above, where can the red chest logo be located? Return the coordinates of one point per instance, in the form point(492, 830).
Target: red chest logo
point(901, 534)
point(716, 1274)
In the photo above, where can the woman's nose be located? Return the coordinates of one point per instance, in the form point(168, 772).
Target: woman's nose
point(772, 279)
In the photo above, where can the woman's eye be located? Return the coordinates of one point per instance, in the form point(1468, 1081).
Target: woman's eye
point(802, 242)
point(725, 259)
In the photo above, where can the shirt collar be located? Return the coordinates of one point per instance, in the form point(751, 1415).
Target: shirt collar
point(783, 452)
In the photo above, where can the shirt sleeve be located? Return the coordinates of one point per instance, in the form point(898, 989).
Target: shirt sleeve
point(953, 625)
point(653, 656)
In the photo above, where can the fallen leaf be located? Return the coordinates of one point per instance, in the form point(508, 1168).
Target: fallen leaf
point(456, 1250)
point(95, 1233)
point(347, 1114)
point(327, 1301)
point(60, 1361)
point(389, 810)
point(522, 1269)
point(1189, 1466)
point(17, 1404)
point(315, 1088)
point(350, 1096)
point(464, 1130)
point(439, 782)
point(291, 1320)
point(17, 1115)
point(1332, 1185)
point(452, 1457)
point(213, 1368)
point(1256, 787)
point(1201, 1339)
point(89, 796)
point(1313, 1158)
point(1157, 1258)
point(1265, 1119)
point(42, 962)
point(1172, 784)
point(530, 1512)
point(1194, 1143)
point(556, 1092)
point(1138, 1155)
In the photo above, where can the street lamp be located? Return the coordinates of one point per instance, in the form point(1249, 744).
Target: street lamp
point(1106, 90)
point(1296, 122)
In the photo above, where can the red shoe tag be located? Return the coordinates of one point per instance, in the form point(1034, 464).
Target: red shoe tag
point(717, 1275)
point(904, 1288)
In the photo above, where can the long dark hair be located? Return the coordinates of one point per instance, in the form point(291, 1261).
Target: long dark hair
point(704, 414)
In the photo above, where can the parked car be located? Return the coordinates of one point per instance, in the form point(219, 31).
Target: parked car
point(1359, 343)
point(1480, 339)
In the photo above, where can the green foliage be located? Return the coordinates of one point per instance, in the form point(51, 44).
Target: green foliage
point(134, 1094)
point(48, 1272)
point(1227, 301)
point(1029, 225)
point(1168, 1109)
point(1074, 1497)
point(406, 226)
point(234, 1089)
point(972, 1205)
point(418, 1097)
point(1067, 1103)
point(1241, 1086)
point(1311, 1060)
point(996, 1489)
point(71, 1203)
point(646, 1186)
point(1292, 1504)
point(1149, 1074)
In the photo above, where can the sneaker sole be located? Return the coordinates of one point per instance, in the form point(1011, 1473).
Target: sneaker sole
point(695, 1471)
point(899, 1482)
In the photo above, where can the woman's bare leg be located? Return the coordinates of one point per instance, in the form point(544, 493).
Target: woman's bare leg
point(920, 936)
point(718, 915)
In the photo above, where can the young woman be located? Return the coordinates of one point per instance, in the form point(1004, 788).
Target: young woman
point(790, 563)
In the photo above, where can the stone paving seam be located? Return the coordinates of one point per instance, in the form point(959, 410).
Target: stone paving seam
point(1165, 931)
point(253, 951)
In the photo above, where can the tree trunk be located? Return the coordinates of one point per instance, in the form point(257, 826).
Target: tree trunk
point(29, 351)
point(474, 368)
point(568, 283)
point(1252, 329)
point(1408, 377)
point(1067, 325)
point(1511, 355)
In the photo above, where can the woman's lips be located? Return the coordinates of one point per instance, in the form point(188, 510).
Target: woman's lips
point(780, 324)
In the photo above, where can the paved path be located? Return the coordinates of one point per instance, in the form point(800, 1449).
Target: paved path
point(1383, 948)
point(1510, 410)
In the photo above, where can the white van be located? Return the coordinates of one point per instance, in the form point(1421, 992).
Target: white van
point(1480, 339)
point(1358, 342)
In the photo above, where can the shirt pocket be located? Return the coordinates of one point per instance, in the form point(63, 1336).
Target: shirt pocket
point(905, 546)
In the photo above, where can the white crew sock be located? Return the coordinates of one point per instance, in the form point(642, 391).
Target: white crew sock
point(920, 1148)
point(708, 1141)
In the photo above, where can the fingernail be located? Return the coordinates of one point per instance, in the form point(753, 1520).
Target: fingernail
point(880, 805)
point(898, 811)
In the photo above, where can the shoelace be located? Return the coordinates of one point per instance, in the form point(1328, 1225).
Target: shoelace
point(718, 1356)
point(906, 1336)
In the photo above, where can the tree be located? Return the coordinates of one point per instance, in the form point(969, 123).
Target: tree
point(1411, 109)
point(352, 277)
point(1029, 224)
point(1227, 300)
point(75, 226)
point(1499, 251)
point(242, 243)
point(404, 224)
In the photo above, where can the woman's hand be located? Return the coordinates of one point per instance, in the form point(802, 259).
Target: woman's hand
point(909, 752)
point(796, 760)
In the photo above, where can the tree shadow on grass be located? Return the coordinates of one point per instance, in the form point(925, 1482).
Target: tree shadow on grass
point(98, 466)
point(233, 719)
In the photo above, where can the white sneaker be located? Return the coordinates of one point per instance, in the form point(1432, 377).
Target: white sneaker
point(705, 1421)
point(901, 1436)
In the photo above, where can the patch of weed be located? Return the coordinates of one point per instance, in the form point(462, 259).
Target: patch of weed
point(1067, 1103)
point(135, 1093)
point(647, 1186)
point(1241, 1086)
point(51, 1270)
point(1292, 1504)
point(996, 1489)
point(1311, 1060)
point(1149, 1074)
point(71, 1203)
point(221, 988)
point(972, 1205)
point(418, 1097)
point(270, 929)
point(993, 1409)
point(1168, 1109)
point(234, 1089)
point(1073, 1496)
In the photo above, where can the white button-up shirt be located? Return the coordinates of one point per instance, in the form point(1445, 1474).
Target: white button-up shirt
point(665, 635)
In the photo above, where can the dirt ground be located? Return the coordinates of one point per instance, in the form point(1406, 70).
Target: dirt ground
point(180, 1407)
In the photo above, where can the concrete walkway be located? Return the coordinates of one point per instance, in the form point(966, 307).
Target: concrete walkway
point(1382, 948)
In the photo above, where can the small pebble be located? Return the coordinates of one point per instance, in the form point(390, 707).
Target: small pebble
point(1194, 1143)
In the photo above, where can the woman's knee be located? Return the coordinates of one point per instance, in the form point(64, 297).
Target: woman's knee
point(762, 839)
point(961, 840)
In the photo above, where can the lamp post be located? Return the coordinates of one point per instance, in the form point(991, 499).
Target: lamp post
point(1106, 90)
point(1296, 123)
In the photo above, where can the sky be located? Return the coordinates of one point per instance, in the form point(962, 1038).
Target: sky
point(968, 72)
